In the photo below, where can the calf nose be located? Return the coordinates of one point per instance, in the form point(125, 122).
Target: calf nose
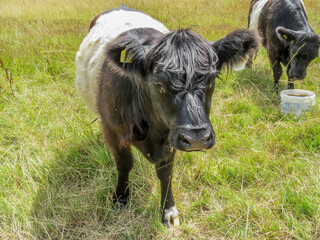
point(297, 74)
point(297, 77)
point(196, 139)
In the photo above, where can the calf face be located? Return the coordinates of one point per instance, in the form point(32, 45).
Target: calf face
point(302, 48)
point(183, 110)
point(181, 81)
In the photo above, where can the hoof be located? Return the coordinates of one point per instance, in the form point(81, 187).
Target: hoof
point(120, 203)
point(170, 217)
point(172, 223)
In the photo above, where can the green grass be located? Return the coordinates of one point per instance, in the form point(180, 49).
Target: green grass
point(260, 181)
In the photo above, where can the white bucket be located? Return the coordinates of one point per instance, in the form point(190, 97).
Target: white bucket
point(296, 101)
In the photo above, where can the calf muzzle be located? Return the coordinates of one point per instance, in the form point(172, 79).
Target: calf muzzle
point(194, 139)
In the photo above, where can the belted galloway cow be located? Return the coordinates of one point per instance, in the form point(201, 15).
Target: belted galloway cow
point(287, 36)
point(152, 89)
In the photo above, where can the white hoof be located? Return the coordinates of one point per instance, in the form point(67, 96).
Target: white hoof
point(170, 217)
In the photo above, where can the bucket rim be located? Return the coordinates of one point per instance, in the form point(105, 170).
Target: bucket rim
point(286, 94)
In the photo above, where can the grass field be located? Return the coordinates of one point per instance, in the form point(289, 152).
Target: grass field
point(260, 181)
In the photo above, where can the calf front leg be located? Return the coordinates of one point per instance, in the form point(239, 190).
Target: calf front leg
point(124, 161)
point(277, 72)
point(168, 208)
point(290, 84)
point(275, 65)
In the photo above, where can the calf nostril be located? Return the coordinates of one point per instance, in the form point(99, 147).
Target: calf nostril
point(209, 139)
point(184, 139)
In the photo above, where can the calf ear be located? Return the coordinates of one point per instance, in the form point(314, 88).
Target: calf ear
point(234, 49)
point(286, 35)
point(129, 50)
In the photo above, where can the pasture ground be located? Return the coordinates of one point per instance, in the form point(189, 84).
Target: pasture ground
point(260, 181)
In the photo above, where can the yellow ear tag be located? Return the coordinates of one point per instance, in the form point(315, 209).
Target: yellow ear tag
point(285, 36)
point(124, 58)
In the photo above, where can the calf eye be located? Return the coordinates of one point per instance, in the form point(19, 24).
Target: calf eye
point(158, 84)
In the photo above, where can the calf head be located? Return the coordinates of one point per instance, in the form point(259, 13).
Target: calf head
point(302, 47)
point(179, 70)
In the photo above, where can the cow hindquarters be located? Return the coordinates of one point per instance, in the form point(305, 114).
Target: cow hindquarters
point(124, 161)
point(164, 173)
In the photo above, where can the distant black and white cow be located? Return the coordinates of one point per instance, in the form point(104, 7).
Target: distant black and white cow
point(287, 36)
point(152, 89)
